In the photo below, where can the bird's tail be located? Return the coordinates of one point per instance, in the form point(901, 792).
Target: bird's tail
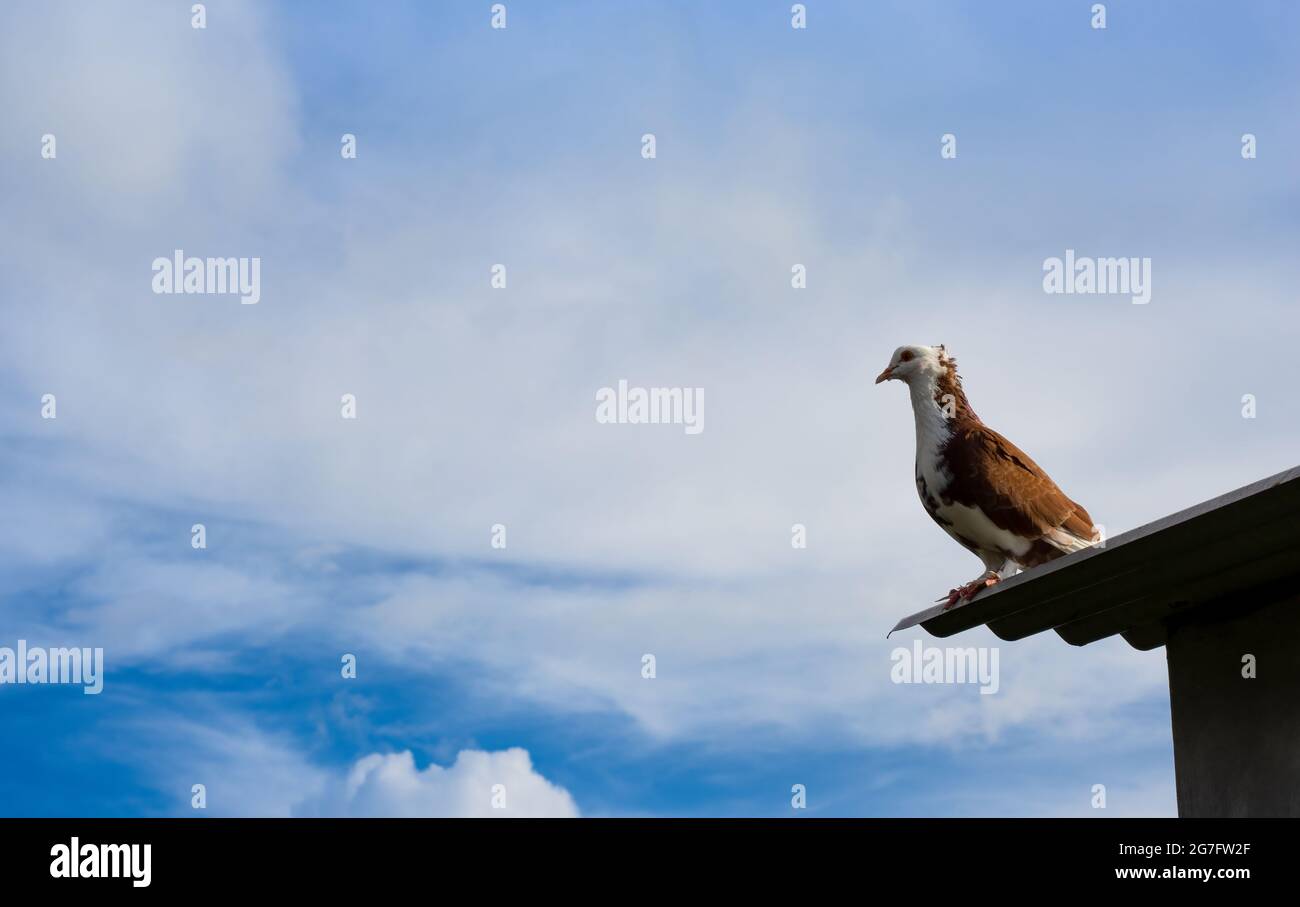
point(1063, 539)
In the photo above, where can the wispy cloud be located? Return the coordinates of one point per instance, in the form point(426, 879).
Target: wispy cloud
point(476, 405)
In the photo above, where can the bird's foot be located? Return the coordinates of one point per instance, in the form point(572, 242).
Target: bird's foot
point(970, 590)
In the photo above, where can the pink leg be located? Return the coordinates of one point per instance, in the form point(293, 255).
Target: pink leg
point(970, 590)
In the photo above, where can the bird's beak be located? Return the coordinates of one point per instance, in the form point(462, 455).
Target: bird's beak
point(885, 375)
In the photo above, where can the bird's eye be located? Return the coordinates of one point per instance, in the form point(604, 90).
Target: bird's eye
point(905, 356)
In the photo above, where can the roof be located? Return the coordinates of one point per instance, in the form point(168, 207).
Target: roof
point(1248, 539)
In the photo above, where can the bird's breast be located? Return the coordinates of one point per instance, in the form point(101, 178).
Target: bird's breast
point(970, 526)
point(932, 475)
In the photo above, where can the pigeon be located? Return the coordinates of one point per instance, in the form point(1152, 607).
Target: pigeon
point(982, 489)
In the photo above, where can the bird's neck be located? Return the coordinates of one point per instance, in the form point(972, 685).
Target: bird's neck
point(938, 404)
point(933, 427)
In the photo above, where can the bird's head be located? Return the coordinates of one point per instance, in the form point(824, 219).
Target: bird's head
point(912, 362)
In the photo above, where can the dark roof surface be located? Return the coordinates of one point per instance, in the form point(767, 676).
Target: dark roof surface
point(1244, 540)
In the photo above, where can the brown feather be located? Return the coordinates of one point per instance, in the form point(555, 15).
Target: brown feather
point(993, 475)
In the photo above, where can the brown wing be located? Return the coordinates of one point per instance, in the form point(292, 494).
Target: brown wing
point(991, 473)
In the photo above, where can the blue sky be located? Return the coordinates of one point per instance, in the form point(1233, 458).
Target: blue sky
point(522, 146)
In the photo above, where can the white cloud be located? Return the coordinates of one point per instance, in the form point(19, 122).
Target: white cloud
point(249, 771)
point(153, 119)
point(802, 654)
point(391, 785)
point(478, 408)
point(1070, 795)
point(244, 770)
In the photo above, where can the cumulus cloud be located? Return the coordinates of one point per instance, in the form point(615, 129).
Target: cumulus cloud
point(391, 785)
point(248, 770)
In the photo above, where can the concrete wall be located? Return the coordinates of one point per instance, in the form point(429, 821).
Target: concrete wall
point(1237, 740)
